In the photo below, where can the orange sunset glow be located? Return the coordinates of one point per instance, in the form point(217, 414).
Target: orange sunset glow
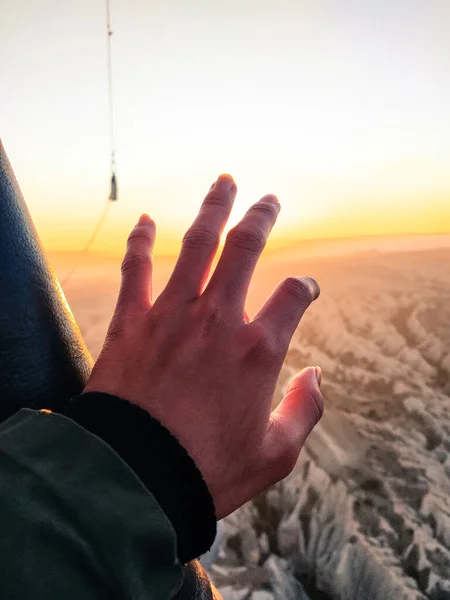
point(339, 108)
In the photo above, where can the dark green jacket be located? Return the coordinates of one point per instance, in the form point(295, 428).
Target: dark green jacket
point(77, 522)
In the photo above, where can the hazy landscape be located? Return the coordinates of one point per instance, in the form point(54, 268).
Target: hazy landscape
point(366, 513)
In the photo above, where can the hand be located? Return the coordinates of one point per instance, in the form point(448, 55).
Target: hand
point(195, 362)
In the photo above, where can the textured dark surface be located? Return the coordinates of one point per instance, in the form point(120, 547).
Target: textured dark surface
point(43, 360)
point(196, 584)
point(366, 512)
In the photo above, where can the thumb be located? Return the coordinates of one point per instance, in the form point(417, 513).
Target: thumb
point(303, 404)
point(293, 420)
point(135, 290)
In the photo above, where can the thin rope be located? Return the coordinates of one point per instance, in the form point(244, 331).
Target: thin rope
point(89, 242)
point(105, 212)
point(109, 34)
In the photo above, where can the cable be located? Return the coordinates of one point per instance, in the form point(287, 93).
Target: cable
point(89, 242)
point(109, 34)
point(113, 193)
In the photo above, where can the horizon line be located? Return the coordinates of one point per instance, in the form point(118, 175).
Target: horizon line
point(279, 247)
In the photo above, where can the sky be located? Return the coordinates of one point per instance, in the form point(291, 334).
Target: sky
point(340, 107)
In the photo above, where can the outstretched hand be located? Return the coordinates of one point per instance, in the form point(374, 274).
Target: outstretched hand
point(194, 361)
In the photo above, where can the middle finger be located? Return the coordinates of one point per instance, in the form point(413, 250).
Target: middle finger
point(243, 247)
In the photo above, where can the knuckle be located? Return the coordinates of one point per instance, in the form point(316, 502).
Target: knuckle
point(135, 261)
point(140, 233)
point(216, 200)
point(267, 209)
point(143, 232)
point(250, 239)
point(262, 344)
point(200, 237)
point(302, 288)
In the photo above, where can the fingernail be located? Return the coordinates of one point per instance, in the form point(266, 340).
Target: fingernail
point(227, 179)
point(313, 286)
point(318, 375)
point(144, 220)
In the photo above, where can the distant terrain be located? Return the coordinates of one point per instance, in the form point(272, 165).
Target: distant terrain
point(366, 513)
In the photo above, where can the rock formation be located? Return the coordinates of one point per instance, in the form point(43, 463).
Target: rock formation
point(366, 512)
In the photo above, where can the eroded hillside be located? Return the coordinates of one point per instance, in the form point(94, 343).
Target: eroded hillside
point(366, 512)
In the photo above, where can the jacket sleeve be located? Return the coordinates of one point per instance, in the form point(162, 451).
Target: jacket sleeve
point(159, 460)
point(75, 520)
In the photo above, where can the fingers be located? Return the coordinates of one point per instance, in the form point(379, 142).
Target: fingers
point(292, 421)
point(243, 247)
point(135, 290)
point(202, 239)
point(282, 312)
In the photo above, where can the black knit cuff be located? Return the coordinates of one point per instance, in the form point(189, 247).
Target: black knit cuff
point(158, 459)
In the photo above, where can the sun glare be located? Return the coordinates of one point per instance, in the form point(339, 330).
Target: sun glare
point(346, 126)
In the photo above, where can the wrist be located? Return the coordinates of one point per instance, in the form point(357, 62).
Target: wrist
point(158, 459)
